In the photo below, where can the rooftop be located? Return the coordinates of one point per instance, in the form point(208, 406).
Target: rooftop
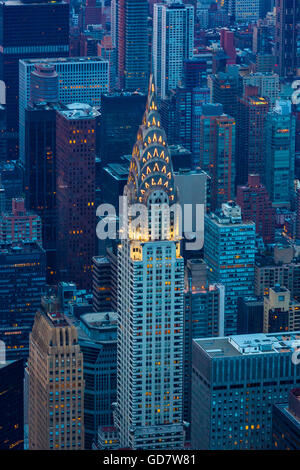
point(240, 345)
point(62, 60)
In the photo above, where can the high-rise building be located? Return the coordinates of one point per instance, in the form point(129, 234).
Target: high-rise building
point(281, 312)
point(227, 43)
point(286, 423)
point(250, 315)
point(204, 318)
point(236, 380)
point(150, 301)
point(173, 42)
point(19, 225)
point(81, 80)
point(197, 69)
point(97, 337)
point(133, 54)
point(76, 129)
point(11, 175)
point(267, 83)
point(217, 153)
point(11, 405)
point(29, 29)
point(280, 154)
point(251, 118)
point(269, 272)
point(256, 205)
point(105, 278)
point(229, 252)
point(121, 114)
point(225, 90)
point(286, 39)
point(40, 174)
point(22, 281)
point(245, 11)
point(56, 383)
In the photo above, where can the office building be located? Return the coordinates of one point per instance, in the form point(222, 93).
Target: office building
point(81, 80)
point(11, 405)
point(236, 380)
point(286, 38)
point(204, 317)
point(22, 281)
point(56, 383)
point(245, 11)
point(250, 315)
point(267, 84)
point(256, 205)
point(280, 154)
point(18, 225)
point(225, 90)
point(286, 423)
point(133, 54)
point(121, 114)
point(105, 278)
point(269, 272)
point(251, 118)
point(11, 175)
point(197, 69)
point(29, 29)
point(229, 252)
point(150, 303)
point(281, 312)
point(173, 42)
point(76, 129)
point(97, 338)
point(217, 153)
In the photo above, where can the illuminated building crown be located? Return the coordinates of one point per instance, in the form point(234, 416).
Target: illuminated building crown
point(151, 178)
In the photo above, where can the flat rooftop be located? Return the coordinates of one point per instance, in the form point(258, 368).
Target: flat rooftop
point(242, 345)
point(63, 60)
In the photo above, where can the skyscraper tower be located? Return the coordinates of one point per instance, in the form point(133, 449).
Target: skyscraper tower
point(76, 129)
point(286, 49)
point(173, 42)
point(252, 111)
point(217, 152)
point(133, 56)
point(150, 301)
point(230, 254)
point(56, 384)
point(29, 28)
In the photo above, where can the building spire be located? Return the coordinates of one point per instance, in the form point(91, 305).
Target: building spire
point(151, 178)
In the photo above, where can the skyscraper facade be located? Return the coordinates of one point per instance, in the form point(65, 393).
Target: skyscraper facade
point(217, 153)
point(150, 302)
point(133, 55)
point(173, 42)
point(236, 380)
point(11, 405)
point(256, 205)
point(121, 114)
point(251, 118)
point(286, 45)
point(76, 129)
point(280, 154)
point(22, 281)
point(29, 29)
point(229, 252)
point(56, 384)
point(80, 80)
